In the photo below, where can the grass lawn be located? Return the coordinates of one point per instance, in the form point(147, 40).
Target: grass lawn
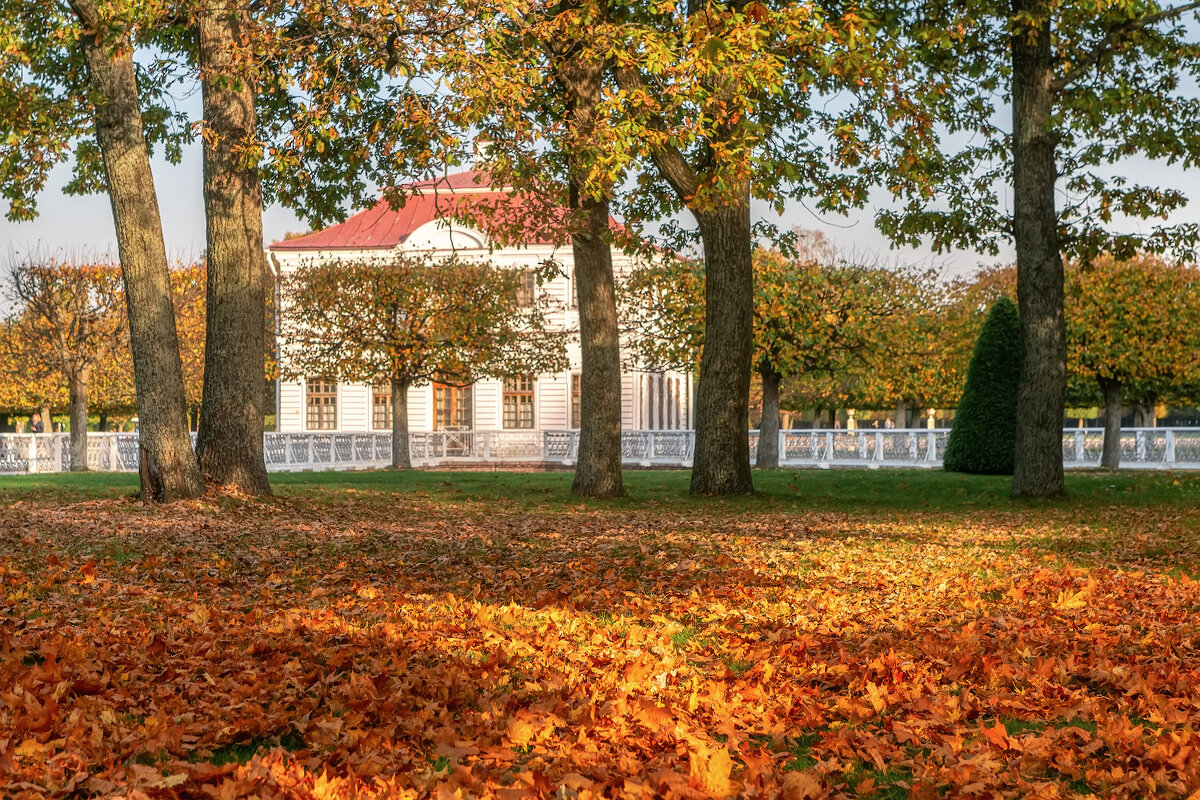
point(841, 633)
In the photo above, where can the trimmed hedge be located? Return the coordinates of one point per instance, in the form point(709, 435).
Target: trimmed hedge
point(984, 437)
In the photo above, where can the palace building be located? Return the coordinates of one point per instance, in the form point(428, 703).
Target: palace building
point(433, 221)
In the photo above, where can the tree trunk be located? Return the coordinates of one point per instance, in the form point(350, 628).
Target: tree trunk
point(194, 417)
point(1041, 393)
point(1144, 416)
point(722, 458)
point(47, 420)
point(102, 424)
point(168, 467)
point(768, 429)
point(901, 413)
point(598, 470)
point(230, 443)
point(1110, 457)
point(598, 467)
point(401, 457)
point(77, 391)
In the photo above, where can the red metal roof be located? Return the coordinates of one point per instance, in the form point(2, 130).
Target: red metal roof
point(463, 194)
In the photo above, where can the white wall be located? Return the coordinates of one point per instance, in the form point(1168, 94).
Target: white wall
point(552, 398)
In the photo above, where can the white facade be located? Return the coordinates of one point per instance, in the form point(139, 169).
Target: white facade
point(650, 401)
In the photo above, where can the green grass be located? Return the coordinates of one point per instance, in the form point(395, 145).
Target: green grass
point(895, 491)
point(800, 748)
point(242, 752)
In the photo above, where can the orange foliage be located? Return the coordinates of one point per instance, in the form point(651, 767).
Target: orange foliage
point(402, 648)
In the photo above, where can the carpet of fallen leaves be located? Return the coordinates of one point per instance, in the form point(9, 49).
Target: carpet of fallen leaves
point(372, 647)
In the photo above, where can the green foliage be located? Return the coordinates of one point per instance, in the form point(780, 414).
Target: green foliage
point(983, 440)
point(1121, 89)
point(732, 100)
point(46, 108)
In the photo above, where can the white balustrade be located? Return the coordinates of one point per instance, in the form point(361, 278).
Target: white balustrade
point(1144, 448)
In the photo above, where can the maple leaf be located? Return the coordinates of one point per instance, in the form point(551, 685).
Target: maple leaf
point(1067, 601)
point(801, 786)
point(997, 735)
point(710, 769)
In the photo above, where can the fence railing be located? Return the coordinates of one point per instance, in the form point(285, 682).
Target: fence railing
point(1163, 448)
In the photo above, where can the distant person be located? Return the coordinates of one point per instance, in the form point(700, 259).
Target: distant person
point(35, 424)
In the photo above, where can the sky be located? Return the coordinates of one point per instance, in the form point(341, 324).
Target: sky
point(77, 226)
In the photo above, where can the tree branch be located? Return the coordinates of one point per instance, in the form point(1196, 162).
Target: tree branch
point(670, 161)
point(1115, 37)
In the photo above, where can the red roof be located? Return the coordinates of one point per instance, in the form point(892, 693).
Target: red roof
point(461, 195)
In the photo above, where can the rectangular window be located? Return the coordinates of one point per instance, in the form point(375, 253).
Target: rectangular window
point(526, 288)
point(451, 407)
point(518, 403)
point(321, 404)
point(381, 407)
point(576, 399)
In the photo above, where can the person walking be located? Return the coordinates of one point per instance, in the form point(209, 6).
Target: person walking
point(35, 424)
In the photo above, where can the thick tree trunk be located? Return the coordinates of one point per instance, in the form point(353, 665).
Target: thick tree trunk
point(168, 469)
point(768, 428)
point(598, 467)
point(230, 443)
point(901, 413)
point(598, 470)
point(1041, 394)
point(77, 392)
point(401, 457)
point(47, 420)
point(1110, 457)
point(722, 458)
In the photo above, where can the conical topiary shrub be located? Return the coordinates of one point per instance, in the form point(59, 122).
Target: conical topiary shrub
point(984, 437)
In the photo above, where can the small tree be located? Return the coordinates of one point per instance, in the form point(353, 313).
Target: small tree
point(113, 383)
point(22, 388)
point(1131, 327)
point(983, 439)
point(72, 318)
point(412, 321)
